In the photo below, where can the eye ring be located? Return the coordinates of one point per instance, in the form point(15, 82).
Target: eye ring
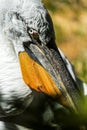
point(31, 31)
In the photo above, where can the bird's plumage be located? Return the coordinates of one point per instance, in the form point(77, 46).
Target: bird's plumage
point(12, 87)
point(26, 14)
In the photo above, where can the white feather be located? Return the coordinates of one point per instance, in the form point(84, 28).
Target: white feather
point(85, 89)
point(11, 126)
point(12, 86)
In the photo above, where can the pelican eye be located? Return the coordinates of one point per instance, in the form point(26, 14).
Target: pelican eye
point(34, 34)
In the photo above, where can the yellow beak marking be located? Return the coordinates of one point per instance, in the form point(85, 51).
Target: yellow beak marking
point(36, 77)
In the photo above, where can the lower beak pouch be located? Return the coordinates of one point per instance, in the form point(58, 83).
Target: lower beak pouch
point(38, 78)
point(48, 74)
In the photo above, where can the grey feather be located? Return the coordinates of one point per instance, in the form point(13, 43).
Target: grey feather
point(32, 15)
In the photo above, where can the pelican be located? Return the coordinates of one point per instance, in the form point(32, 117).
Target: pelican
point(36, 79)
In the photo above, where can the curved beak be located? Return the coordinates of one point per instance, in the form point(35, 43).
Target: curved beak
point(44, 70)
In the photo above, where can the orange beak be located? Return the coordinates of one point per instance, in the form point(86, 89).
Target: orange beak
point(36, 77)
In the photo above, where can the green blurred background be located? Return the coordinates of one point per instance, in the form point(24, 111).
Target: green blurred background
point(70, 23)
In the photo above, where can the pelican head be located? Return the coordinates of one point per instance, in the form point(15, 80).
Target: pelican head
point(28, 42)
